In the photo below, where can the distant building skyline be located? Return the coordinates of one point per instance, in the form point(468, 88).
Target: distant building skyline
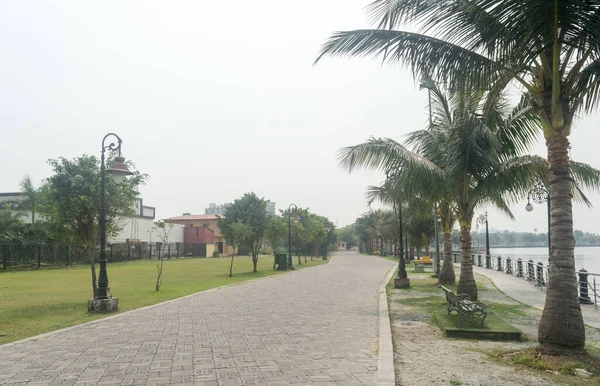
point(213, 208)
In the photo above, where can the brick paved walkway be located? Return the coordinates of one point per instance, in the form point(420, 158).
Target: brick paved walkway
point(313, 326)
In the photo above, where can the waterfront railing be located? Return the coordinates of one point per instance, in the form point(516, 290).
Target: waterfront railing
point(537, 274)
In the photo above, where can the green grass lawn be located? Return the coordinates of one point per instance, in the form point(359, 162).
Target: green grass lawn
point(35, 302)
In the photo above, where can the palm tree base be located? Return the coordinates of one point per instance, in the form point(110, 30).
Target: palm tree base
point(401, 282)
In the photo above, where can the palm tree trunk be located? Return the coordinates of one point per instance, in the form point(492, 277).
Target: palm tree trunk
point(561, 323)
point(447, 275)
point(466, 283)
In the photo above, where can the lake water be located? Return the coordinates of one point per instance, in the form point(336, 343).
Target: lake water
point(585, 257)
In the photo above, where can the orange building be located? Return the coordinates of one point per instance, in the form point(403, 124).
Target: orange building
point(203, 228)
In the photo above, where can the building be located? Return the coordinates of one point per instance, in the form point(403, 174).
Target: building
point(11, 200)
point(140, 226)
point(216, 209)
point(203, 229)
point(271, 207)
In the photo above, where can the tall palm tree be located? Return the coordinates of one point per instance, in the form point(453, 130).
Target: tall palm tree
point(549, 49)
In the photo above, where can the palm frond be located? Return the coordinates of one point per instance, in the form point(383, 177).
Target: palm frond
point(383, 154)
point(585, 177)
point(425, 55)
point(587, 88)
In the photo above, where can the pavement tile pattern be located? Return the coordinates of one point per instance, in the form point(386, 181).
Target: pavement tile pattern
point(316, 326)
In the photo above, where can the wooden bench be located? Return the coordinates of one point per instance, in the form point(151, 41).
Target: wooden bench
point(473, 312)
point(419, 267)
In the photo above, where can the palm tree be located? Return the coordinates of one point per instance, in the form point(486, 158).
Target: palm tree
point(31, 194)
point(551, 50)
point(470, 159)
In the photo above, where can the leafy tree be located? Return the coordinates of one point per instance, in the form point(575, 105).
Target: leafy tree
point(551, 50)
point(299, 233)
point(349, 235)
point(71, 203)
point(239, 234)
point(163, 228)
point(251, 211)
point(275, 232)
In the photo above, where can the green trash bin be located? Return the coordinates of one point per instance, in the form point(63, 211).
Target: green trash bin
point(281, 259)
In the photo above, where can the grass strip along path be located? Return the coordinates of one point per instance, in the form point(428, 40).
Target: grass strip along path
point(36, 302)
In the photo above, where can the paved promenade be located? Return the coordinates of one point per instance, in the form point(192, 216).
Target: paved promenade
point(313, 326)
point(525, 292)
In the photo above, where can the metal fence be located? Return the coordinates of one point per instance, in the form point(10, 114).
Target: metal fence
point(537, 274)
point(18, 256)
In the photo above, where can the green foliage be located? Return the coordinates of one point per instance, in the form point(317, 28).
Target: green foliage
point(348, 234)
point(11, 225)
point(276, 231)
point(251, 211)
point(238, 234)
point(32, 196)
point(71, 200)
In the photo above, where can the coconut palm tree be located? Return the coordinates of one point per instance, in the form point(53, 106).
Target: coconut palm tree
point(549, 49)
point(32, 197)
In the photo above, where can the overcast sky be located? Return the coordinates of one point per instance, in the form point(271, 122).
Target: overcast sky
point(213, 99)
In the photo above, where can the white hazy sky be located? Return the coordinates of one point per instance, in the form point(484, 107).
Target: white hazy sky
point(213, 99)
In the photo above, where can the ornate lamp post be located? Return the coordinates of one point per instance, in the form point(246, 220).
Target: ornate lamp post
point(540, 195)
point(483, 219)
point(402, 280)
point(118, 170)
point(437, 241)
point(325, 242)
point(429, 84)
point(290, 208)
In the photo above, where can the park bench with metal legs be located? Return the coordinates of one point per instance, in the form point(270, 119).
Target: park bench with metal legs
point(419, 267)
point(472, 312)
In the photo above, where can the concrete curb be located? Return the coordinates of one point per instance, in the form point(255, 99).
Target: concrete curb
point(386, 376)
point(44, 335)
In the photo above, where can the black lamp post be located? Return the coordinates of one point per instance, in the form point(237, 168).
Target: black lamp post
point(540, 195)
point(290, 208)
point(325, 242)
point(483, 218)
point(118, 170)
point(402, 280)
point(437, 240)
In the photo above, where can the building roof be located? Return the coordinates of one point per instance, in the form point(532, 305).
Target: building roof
point(193, 217)
point(11, 194)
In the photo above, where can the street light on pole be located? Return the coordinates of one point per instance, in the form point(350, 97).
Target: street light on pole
point(402, 280)
point(483, 219)
point(429, 84)
point(290, 208)
point(118, 170)
point(328, 229)
point(539, 194)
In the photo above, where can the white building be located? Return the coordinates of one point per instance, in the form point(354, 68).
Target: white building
point(138, 228)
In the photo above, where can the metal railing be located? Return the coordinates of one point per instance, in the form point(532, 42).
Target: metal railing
point(537, 274)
